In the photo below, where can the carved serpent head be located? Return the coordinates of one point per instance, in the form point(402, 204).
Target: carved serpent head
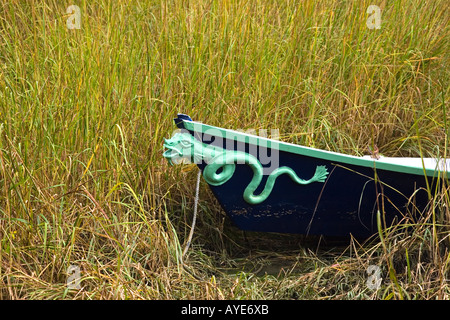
point(182, 146)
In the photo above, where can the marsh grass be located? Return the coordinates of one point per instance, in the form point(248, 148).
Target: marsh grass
point(83, 114)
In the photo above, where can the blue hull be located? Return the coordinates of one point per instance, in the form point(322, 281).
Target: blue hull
point(346, 203)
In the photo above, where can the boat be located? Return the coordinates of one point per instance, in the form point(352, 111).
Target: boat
point(267, 185)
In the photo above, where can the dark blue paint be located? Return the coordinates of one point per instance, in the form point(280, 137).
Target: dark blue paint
point(345, 204)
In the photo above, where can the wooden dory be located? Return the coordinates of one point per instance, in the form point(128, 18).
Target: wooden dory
point(272, 186)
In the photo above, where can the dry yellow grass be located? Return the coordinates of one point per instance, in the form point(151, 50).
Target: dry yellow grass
point(83, 114)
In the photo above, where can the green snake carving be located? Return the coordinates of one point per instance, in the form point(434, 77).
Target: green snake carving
point(184, 145)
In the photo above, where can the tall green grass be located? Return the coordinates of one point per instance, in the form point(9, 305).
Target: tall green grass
point(83, 114)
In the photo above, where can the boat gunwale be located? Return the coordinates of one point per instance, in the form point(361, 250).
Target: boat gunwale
point(380, 164)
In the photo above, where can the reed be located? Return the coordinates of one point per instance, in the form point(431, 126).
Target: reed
point(83, 114)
